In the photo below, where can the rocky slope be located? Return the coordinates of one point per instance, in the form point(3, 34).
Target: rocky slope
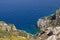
point(9, 32)
point(49, 27)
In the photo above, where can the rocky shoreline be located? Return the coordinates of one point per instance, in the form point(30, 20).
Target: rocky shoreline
point(49, 29)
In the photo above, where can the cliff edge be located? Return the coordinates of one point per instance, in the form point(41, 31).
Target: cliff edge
point(49, 27)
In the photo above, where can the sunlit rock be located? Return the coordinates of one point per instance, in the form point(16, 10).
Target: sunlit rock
point(56, 30)
point(13, 27)
point(53, 37)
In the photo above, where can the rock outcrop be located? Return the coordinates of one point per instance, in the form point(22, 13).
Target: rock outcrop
point(49, 27)
point(4, 26)
point(10, 32)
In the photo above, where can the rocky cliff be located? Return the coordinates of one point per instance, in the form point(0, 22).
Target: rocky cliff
point(49, 27)
point(9, 32)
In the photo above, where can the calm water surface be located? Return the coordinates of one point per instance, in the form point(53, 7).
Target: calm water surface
point(25, 13)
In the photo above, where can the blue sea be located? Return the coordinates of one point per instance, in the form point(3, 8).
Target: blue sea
point(25, 13)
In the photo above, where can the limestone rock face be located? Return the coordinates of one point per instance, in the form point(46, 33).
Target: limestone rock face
point(4, 26)
point(51, 26)
point(51, 20)
point(43, 23)
point(56, 30)
point(53, 37)
point(13, 27)
point(51, 34)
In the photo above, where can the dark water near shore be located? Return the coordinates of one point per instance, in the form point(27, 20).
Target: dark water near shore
point(25, 13)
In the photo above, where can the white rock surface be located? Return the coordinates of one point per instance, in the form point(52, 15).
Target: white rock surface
point(56, 30)
point(53, 37)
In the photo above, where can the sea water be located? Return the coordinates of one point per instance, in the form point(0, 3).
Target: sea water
point(25, 13)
